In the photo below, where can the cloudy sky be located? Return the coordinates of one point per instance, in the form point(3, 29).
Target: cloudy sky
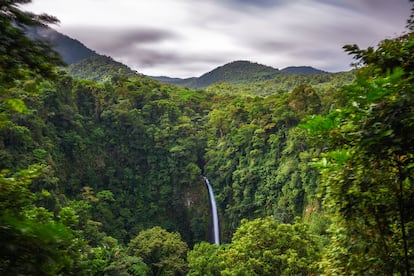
point(183, 38)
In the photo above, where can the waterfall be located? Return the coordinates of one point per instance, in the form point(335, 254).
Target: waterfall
point(216, 230)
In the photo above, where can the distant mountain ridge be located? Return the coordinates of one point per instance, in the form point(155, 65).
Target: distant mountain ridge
point(239, 72)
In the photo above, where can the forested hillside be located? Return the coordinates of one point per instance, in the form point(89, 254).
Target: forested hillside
point(99, 68)
point(313, 175)
point(326, 84)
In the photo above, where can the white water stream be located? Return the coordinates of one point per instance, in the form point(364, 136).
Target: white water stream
point(214, 213)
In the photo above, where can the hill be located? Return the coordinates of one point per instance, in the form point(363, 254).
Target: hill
point(235, 72)
point(99, 68)
point(83, 63)
point(71, 50)
point(244, 72)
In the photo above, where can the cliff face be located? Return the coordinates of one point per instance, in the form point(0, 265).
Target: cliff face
point(197, 204)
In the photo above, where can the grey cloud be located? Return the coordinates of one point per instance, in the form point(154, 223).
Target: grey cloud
point(323, 56)
point(315, 53)
point(139, 48)
point(278, 33)
point(180, 63)
point(326, 59)
point(329, 27)
point(314, 37)
point(385, 9)
point(221, 10)
point(272, 45)
point(147, 57)
point(144, 35)
point(241, 4)
point(150, 58)
point(119, 39)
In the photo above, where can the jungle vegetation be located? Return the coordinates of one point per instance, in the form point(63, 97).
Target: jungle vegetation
point(103, 178)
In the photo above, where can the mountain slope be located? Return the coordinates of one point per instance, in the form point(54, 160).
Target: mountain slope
point(99, 68)
point(71, 50)
point(83, 63)
point(237, 72)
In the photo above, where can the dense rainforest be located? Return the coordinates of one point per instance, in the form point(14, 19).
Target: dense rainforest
point(313, 175)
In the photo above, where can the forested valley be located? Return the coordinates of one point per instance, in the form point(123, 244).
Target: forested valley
point(313, 175)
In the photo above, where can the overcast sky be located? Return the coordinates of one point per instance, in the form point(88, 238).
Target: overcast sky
point(183, 38)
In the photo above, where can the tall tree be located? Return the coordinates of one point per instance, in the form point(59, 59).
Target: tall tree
point(368, 167)
point(265, 247)
point(164, 252)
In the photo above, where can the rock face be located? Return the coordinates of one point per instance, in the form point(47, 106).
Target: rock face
point(196, 201)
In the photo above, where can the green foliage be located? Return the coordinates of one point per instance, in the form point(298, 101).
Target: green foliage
point(99, 68)
point(128, 265)
point(367, 171)
point(16, 105)
point(304, 100)
point(15, 193)
point(123, 156)
point(126, 142)
point(21, 56)
point(162, 251)
point(265, 247)
point(205, 259)
point(32, 247)
point(324, 84)
point(256, 158)
point(235, 72)
point(32, 242)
